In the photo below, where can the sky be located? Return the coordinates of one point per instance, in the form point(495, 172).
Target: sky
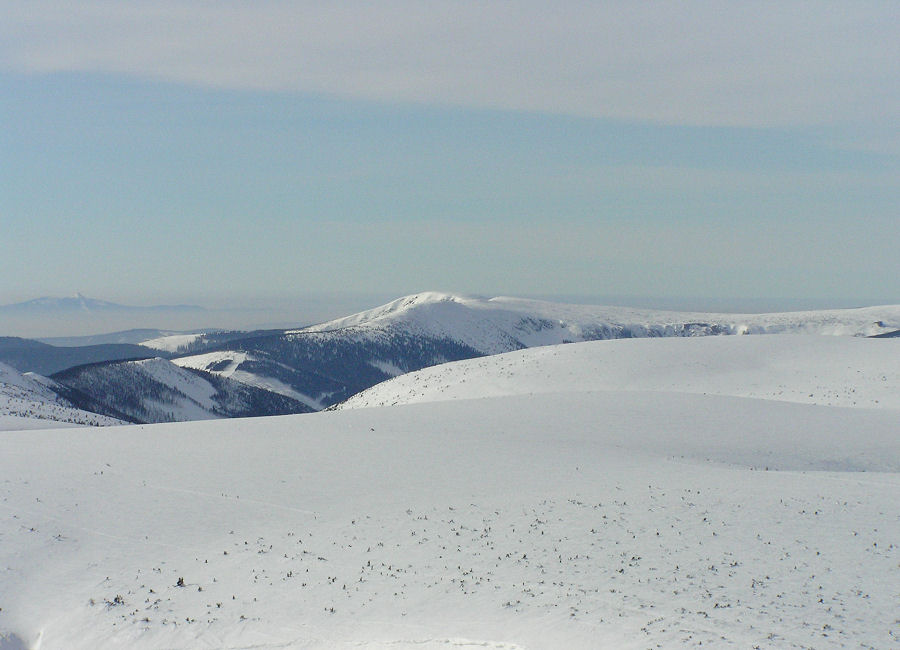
point(256, 153)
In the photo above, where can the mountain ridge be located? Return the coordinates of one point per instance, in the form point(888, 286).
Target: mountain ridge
point(315, 367)
point(156, 390)
point(31, 355)
point(326, 363)
point(501, 324)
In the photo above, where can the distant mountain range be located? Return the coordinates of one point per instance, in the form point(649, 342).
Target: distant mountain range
point(266, 372)
point(27, 355)
point(133, 336)
point(81, 303)
point(77, 316)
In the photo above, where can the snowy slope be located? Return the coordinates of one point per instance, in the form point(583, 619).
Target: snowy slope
point(198, 402)
point(223, 362)
point(536, 518)
point(199, 341)
point(327, 363)
point(322, 368)
point(29, 401)
point(233, 364)
point(157, 390)
point(503, 324)
point(839, 371)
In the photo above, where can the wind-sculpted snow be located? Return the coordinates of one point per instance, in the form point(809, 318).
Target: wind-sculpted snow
point(555, 520)
point(834, 371)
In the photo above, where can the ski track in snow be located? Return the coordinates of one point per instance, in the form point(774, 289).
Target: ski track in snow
point(212, 362)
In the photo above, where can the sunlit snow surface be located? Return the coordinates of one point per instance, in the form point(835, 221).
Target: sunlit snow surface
point(550, 512)
point(832, 371)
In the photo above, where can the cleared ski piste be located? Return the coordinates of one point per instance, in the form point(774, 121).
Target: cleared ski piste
point(580, 516)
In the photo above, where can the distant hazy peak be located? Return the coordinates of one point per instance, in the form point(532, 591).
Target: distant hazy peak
point(80, 302)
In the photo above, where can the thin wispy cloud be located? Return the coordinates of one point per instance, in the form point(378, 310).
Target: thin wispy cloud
point(700, 63)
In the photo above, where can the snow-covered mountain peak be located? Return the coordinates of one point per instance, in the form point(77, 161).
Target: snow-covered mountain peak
point(426, 297)
point(398, 309)
point(502, 324)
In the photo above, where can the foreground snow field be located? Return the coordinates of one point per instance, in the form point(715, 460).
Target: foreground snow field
point(573, 517)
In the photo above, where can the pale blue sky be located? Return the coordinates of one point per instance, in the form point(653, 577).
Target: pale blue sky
point(256, 152)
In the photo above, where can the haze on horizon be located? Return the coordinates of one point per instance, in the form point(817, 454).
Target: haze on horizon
point(55, 322)
point(704, 155)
